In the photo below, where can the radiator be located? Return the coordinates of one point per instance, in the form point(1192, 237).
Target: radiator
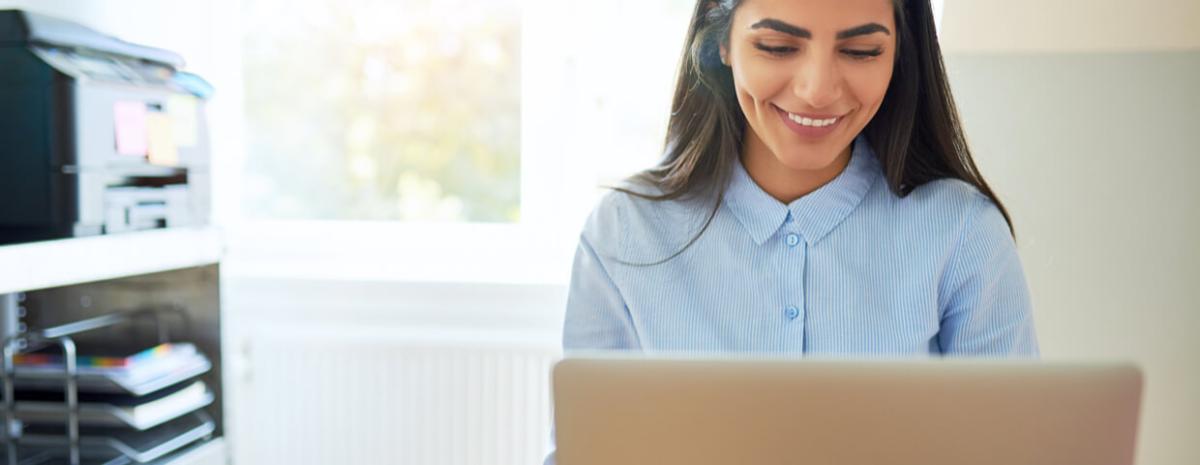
point(387, 396)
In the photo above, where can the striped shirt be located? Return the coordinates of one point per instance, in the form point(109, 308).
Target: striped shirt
point(849, 269)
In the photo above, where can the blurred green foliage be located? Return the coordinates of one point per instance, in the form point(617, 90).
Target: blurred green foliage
point(383, 110)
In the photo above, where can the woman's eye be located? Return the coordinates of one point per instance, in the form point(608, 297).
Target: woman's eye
point(775, 50)
point(862, 54)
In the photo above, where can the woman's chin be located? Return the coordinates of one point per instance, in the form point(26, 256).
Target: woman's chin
point(806, 161)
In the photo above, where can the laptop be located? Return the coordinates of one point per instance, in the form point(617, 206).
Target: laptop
point(693, 411)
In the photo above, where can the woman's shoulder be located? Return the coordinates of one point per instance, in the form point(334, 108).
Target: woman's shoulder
point(945, 194)
point(631, 209)
point(959, 205)
point(942, 211)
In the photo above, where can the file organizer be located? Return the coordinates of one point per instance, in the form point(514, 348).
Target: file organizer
point(81, 415)
point(97, 432)
point(100, 413)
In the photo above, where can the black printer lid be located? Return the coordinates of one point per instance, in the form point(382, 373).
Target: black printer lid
point(23, 27)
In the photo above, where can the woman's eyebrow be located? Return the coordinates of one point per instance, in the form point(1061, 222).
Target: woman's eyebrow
point(793, 30)
point(865, 29)
point(777, 25)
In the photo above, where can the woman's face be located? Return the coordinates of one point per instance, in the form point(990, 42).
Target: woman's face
point(810, 74)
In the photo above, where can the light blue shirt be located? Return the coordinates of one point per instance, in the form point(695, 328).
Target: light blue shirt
point(849, 269)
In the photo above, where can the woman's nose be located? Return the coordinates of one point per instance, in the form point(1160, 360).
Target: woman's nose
point(818, 81)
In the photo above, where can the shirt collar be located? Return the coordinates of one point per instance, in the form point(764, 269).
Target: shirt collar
point(815, 214)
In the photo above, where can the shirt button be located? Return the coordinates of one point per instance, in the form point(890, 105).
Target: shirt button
point(793, 239)
point(792, 313)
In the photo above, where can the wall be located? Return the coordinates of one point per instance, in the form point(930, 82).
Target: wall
point(1075, 26)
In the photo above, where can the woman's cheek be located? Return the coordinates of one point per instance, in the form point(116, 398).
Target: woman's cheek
point(761, 81)
point(867, 89)
point(876, 84)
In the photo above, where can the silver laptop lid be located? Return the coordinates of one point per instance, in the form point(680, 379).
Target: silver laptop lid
point(612, 410)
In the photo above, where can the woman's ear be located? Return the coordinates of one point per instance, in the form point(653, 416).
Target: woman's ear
point(722, 50)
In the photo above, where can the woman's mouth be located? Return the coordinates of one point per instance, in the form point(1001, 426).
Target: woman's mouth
point(810, 126)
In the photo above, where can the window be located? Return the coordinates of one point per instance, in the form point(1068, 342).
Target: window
point(382, 110)
point(587, 89)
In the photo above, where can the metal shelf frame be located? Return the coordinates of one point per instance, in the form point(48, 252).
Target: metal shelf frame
point(62, 337)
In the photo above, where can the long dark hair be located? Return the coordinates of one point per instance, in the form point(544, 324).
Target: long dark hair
point(916, 133)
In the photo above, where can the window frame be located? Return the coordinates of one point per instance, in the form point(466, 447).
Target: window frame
point(556, 195)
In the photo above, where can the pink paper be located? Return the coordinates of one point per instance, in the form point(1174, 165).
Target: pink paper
point(130, 119)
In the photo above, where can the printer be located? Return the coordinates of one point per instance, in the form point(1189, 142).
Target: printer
point(97, 135)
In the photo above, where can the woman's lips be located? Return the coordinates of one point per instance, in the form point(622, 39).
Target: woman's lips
point(810, 126)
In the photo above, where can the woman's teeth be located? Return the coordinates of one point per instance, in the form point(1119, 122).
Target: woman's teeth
point(816, 123)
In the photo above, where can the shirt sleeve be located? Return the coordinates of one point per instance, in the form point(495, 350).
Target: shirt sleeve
point(597, 317)
point(985, 302)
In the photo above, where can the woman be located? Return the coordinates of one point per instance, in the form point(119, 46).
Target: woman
point(817, 197)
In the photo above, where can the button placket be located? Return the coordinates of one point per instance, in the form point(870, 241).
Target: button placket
point(795, 292)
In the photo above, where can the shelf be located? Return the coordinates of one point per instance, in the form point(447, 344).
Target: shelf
point(108, 445)
point(211, 452)
point(204, 452)
point(41, 265)
point(108, 384)
point(107, 415)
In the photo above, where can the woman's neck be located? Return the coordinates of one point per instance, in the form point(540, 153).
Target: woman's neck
point(784, 183)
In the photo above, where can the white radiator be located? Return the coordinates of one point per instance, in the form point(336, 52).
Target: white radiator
point(386, 396)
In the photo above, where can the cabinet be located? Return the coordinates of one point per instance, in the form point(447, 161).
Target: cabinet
point(102, 295)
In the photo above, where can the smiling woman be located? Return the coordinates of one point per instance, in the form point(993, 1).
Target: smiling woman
point(806, 94)
point(845, 69)
point(865, 223)
point(816, 197)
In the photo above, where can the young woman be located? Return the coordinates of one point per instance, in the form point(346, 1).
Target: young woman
point(817, 197)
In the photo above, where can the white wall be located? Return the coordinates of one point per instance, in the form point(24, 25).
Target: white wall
point(1095, 158)
point(1056, 26)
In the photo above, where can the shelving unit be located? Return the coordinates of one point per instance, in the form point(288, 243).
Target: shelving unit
point(94, 292)
point(106, 200)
